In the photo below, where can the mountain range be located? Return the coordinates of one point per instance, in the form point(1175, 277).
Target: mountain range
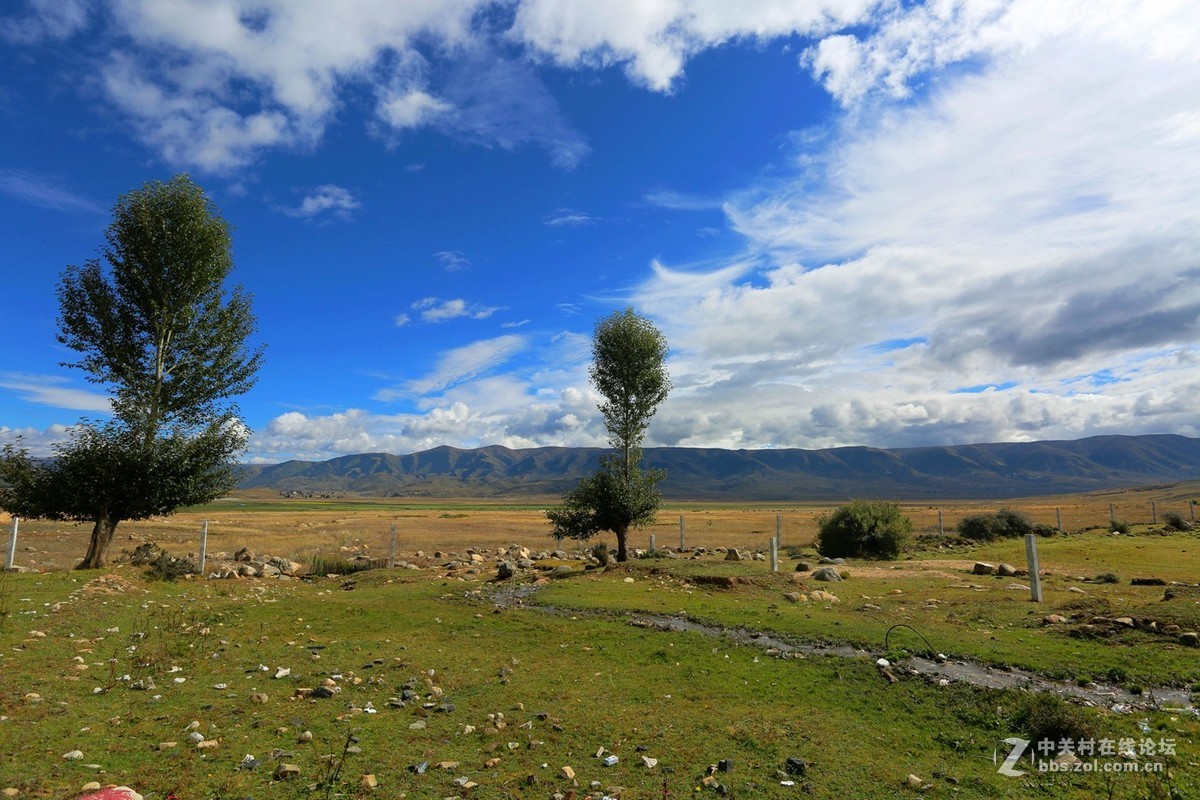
point(980, 471)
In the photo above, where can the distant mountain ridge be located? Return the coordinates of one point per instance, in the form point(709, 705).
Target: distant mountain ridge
point(961, 471)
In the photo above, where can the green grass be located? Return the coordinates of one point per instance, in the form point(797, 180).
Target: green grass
point(689, 699)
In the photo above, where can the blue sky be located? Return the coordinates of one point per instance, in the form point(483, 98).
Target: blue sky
point(857, 222)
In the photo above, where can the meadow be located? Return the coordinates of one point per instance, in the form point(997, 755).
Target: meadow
point(443, 682)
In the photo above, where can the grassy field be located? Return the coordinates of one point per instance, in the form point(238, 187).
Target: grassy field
point(500, 691)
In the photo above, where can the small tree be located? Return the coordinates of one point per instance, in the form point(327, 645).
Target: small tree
point(629, 371)
point(159, 330)
point(869, 529)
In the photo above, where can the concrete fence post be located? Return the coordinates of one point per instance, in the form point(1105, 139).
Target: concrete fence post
point(652, 547)
point(779, 530)
point(1112, 514)
point(1153, 512)
point(941, 527)
point(12, 545)
point(392, 549)
point(1058, 516)
point(203, 546)
point(682, 543)
point(1035, 577)
point(1192, 509)
point(774, 554)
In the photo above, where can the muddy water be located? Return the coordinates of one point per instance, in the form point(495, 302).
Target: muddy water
point(953, 670)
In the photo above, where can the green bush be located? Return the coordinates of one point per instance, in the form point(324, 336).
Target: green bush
point(1118, 526)
point(866, 529)
point(1004, 524)
point(1176, 521)
point(1043, 716)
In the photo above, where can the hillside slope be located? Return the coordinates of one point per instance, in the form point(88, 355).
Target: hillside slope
point(978, 471)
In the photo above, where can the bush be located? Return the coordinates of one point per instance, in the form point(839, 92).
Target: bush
point(1004, 524)
point(601, 554)
point(1176, 521)
point(1042, 716)
point(1119, 527)
point(869, 529)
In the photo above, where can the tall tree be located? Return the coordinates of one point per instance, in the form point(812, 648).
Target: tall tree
point(629, 371)
point(161, 332)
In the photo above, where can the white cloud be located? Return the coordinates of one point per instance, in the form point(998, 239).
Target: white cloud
point(337, 201)
point(38, 443)
point(452, 260)
point(569, 218)
point(465, 363)
point(46, 20)
point(997, 228)
point(44, 191)
point(434, 309)
point(410, 108)
point(54, 391)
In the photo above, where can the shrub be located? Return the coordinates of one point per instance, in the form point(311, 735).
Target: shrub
point(1004, 524)
point(1176, 521)
point(601, 554)
point(870, 529)
point(1043, 716)
point(1118, 526)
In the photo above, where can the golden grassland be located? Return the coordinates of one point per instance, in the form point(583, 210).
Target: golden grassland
point(304, 528)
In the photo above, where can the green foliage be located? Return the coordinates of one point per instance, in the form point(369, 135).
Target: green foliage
point(629, 371)
point(610, 500)
point(1044, 716)
point(866, 529)
point(158, 330)
point(1004, 524)
point(1119, 526)
point(1176, 521)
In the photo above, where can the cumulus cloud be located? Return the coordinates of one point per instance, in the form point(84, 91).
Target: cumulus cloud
point(328, 200)
point(433, 309)
point(996, 229)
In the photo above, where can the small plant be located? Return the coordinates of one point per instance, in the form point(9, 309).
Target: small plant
point(865, 529)
point(1175, 521)
point(601, 554)
point(1119, 526)
point(1004, 524)
point(1106, 577)
point(1046, 717)
point(341, 566)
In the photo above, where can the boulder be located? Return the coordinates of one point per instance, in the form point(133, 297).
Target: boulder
point(1007, 570)
point(827, 574)
point(505, 570)
point(733, 554)
point(983, 568)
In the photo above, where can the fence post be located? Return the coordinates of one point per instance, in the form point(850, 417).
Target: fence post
point(652, 547)
point(203, 546)
point(1035, 577)
point(682, 546)
point(392, 550)
point(775, 554)
point(941, 528)
point(1153, 513)
point(1112, 514)
point(12, 545)
point(1192, 509)
point(778, 531)
point(1058, 516)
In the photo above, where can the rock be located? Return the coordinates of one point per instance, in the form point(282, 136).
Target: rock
point(285, 771)
point(369, 782)
point(505, 570)
point(822, 596)
point(1124, 622)
point(795, 597)
point(1190, 639)
point(1053, 619)
point(803, 566)
point(733, 554)
point(914, 781)
point(649, 763)
point(1147, 582)
point(259, 698)
point(323, 692)
point(13, 792)
point(244, 555)
point(568, 773)
point(113, 793)
point(1007, 570)
point(90, 786)
point(795, 765)
point(827, 574)
point(419, 768)
point(305, 737)
point(725, 765)
point(73, 755)
point(282, 672)
point(983, 568)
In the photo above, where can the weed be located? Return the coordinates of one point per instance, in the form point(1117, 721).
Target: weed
point(1046, 717)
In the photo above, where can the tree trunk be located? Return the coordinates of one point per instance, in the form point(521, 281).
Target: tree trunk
point(622, 555)
point(102, 536)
